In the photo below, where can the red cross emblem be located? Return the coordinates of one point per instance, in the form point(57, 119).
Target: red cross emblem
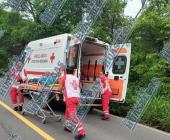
point(72, 53)
point(52, 57)
point(74, 84)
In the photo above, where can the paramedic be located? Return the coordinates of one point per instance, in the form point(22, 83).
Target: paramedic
point(15, 92)
point(71, 86)
point(106, 95)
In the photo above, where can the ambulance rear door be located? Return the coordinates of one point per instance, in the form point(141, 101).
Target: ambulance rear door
point(118, 75)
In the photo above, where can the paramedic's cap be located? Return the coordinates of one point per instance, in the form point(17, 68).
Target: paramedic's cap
point(69, 71)
point(57, 41)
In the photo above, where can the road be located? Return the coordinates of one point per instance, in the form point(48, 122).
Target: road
point(96, 128)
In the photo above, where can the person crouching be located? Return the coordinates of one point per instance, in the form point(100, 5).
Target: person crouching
point(16, 96)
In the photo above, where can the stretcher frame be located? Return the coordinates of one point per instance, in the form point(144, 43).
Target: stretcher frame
point(41, 112)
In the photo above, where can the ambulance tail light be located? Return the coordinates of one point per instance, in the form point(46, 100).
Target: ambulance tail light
point(57, 41)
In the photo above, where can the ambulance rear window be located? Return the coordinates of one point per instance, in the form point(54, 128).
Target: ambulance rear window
point(119, 66)
point(72, 56)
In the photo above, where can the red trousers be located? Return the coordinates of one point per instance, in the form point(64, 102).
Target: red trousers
point(71, 113)
point(14, 93)
point(105, 102)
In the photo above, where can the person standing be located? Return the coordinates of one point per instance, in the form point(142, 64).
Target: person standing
point(106, 95)
point(71, 86)
point(16, 96)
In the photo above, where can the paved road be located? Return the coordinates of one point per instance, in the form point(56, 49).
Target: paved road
point(96, 128)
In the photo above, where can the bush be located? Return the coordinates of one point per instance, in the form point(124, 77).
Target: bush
point(158, 114)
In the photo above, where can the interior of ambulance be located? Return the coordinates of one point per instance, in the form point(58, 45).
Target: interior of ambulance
point(85, 59)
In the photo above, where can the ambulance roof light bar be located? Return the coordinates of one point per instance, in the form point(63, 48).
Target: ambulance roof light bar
point(58, 40)
point(88, 38)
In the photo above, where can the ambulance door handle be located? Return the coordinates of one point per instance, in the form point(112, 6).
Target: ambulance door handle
point(116, 77)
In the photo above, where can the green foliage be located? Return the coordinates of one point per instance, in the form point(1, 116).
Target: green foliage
point(151, 31)
point(153, 27)
point(111, 18)
point(158, 114)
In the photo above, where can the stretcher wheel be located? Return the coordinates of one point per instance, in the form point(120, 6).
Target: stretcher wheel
point(59, 119)
point(23, 113)
point(44, 121)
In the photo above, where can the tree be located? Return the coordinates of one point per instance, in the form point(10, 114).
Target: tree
point(153, 27)
point(111, 18)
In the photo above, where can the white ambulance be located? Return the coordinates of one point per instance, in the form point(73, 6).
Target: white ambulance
point(83, 57)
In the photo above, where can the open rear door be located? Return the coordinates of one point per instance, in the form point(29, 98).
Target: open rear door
point(119, 74)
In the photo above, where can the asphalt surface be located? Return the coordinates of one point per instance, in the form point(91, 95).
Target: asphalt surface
point(96, 128)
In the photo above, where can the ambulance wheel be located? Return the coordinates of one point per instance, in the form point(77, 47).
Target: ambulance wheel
point(44, 121)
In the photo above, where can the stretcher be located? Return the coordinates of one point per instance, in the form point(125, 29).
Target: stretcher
point(37, 87)
point(55, 89)
point(39, 103)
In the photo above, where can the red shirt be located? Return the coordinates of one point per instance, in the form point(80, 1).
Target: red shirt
point(19, 78)
point(104, 80)
point(105, 83)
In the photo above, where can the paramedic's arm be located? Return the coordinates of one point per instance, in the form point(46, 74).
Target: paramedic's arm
point(80, 85)
point(19, 81)
point(61, 82)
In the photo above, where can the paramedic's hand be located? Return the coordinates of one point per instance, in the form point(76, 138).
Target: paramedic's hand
point(81, 86)
point(60, 88)
point(64, 99)
point(79, 103)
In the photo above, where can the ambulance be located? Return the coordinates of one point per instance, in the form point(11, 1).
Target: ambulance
point(84, 58)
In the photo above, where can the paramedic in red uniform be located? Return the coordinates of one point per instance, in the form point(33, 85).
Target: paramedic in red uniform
point(15, 93)
point(71, 86)
point(106, 95)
